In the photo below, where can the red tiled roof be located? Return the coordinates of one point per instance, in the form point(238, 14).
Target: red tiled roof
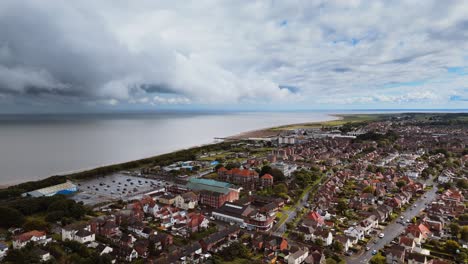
point(267, 176)
point(27, 236)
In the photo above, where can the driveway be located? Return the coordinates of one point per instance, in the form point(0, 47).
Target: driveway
point(394, 229)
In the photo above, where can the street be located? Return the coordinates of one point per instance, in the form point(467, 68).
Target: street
point(394, 229)
point(280, 228)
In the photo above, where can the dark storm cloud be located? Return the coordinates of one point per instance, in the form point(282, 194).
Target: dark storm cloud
point(158, 88)
point(60, 50)
point(177, 52)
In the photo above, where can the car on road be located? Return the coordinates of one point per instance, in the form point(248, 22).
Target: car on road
point(374, 252)
point(381, 235)
point(402, 217)
point(367, 248)
point(407, 220)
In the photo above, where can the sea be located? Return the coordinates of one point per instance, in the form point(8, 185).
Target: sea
point(37, 146)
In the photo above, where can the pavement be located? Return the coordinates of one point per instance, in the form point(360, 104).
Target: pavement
point(394, 229)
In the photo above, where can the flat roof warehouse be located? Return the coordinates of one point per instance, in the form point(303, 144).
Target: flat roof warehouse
point(63, 188)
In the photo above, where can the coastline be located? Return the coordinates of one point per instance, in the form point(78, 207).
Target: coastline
point(263, 132)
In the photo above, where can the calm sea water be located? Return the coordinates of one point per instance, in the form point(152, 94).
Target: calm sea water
point(34, 147)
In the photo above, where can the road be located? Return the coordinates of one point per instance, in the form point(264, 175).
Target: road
point(280, 228)
point(394, 229)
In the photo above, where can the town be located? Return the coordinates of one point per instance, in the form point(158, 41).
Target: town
point(385, 190)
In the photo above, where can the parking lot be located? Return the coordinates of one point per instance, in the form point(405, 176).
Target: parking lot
point(115, 186)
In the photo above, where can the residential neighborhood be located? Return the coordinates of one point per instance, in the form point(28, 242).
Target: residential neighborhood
point(386, 191)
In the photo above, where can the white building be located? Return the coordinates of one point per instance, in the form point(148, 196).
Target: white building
point(63, 188)
point(22, 240)
point(287, 140)
point(186, 201)
point(287, 169)
point(3, 250)
point(356, 233)
point(298, 256)
point(79, 234)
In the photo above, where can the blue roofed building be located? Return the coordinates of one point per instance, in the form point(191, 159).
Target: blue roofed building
point(64, 188)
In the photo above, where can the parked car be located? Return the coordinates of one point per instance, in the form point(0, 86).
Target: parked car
point(381, 235)
point(374, 252)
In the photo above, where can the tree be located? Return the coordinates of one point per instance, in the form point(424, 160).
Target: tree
point(10, 217)
point(217, 167)
point(377, 259)
point(265, 169)
point(278, 175)
point(330, 261)
point(342, 205)
point(337, 247)
point(35, 224)
point(454, 229)
point(368, 189)
point(22, 256)
point(452, 246)
point(400, 184)
point(280, 189)
point(232, 165)
point(464, 233)
point(462, 183)
point(463, 217)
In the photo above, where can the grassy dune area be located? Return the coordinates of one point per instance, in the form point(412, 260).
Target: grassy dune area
point(342, 119)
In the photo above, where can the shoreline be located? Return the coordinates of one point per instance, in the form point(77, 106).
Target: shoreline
point(271, 131)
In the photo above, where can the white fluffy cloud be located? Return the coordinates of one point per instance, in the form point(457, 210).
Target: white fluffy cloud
point(211, 52)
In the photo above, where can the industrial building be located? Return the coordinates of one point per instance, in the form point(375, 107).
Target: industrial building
point(63, 188)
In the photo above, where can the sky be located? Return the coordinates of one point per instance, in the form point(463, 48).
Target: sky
point(87, 55)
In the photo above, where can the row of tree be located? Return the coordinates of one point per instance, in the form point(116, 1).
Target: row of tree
point(56, 208)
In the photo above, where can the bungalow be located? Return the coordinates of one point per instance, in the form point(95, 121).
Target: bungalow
point(141, 247)
point(308, 232)
point(324, 235)
point(356, 233)
point(161, 241)
point(214, 241)
point(395, 254)
point(272, 243)
point(188, 200)
point(3, 250)
point(196, 223)
point(315, 257)
point(126, 254)
point(415, 258)
point(369, 223)
point(80, 233)
point(343, 240)
point(407, 243)
point(105, 226)
point(316, 218)
point(299, 256)
point(167, 199)
point(192, 253)
point(31, 236)
point(418, 232)
point(43, 255)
